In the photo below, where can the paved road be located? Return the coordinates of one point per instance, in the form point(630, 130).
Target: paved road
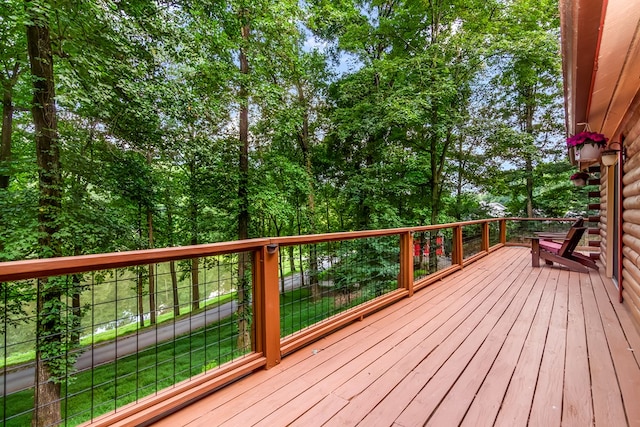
point(22, 378)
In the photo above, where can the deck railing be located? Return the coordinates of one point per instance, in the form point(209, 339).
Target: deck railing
point(152, 330)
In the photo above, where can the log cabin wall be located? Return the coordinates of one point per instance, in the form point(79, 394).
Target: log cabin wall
point(604, 217)
point(631, 211)
point(601, 66)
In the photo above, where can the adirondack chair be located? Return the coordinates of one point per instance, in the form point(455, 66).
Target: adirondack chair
point(549, 248)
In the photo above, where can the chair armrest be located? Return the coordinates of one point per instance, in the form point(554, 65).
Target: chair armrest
point(552, 236)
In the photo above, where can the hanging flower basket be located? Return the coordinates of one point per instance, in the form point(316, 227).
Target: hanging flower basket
point(579, 179)
point(588, 152)
point(587, 145)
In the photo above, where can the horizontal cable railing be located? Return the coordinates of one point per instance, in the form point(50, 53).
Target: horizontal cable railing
point(146, 331)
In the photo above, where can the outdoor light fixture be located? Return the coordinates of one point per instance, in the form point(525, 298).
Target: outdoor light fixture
point(272, 248)
point(609, 156)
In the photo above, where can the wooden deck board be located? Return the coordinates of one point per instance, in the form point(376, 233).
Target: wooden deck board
point(497, 343)
point(546, 409)
point(421, 367)
point(607, 405)
point(497, 320)
point(393, 339)
point(489, 363)
point(577, 408)
point(518, 398)
point(330, 357)
point(399, 340)
point(488, 400)
point(625, 363)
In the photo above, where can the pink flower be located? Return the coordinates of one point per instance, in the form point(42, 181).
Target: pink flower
point(579, 175)
point(593, 138)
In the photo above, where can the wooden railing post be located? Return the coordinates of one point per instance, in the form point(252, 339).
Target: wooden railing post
point(456, 251)
point(485, 237)
point(503, 231)
point(405, 279)
point(267, 304)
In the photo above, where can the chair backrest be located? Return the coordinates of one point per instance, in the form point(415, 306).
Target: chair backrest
point(579, 222)
point(571, 241)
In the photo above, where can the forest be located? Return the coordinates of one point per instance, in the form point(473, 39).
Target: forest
point(136, 124)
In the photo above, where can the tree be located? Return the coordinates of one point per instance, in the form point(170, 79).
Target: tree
point(410, 96)
point(13, 65)
point(527, 102)
point(47, 393)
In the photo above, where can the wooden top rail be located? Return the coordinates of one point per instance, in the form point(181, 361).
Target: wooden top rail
point(35, 268)
point(542, 219)
point(350, 235)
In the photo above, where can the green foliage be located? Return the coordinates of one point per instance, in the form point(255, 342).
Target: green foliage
point(16, 296)
point(524, 109)
point(556, 195)
point(58, 322)
point(368, 266)
point(146, 106)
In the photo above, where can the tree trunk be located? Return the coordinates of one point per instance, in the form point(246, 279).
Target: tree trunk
point(7, 131)
point(529, 186)
point(243, 193)
point(281, 269)
point(244, 287)
point(152, 277)
point(172, 264)
point(436, 187)
point(174, 287)
point(47, 393)
point(76, 307)
point(300, 254)
point(280, 258)
point(461, 165)
point(529, 111)
point(304, 139)
point(195, 284)
point(140, 275)
point(292, 258)
point(140, 292)
point(195, 262)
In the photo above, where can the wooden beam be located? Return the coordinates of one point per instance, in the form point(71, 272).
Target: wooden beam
point(457, 255)
point(405, 278)
point(485, 237)
point(267, 304)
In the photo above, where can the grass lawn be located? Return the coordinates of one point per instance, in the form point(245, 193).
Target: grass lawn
point(104, 388)
point(29, 356)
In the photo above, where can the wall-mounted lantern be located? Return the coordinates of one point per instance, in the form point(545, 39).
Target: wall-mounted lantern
point(609, 156)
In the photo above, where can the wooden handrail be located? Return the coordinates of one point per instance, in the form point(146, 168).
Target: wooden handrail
point(539, 219)
point(37, 268)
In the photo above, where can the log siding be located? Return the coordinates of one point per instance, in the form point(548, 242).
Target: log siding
point(630, 255)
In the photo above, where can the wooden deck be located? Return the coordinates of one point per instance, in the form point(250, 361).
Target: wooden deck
point(498, 343)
